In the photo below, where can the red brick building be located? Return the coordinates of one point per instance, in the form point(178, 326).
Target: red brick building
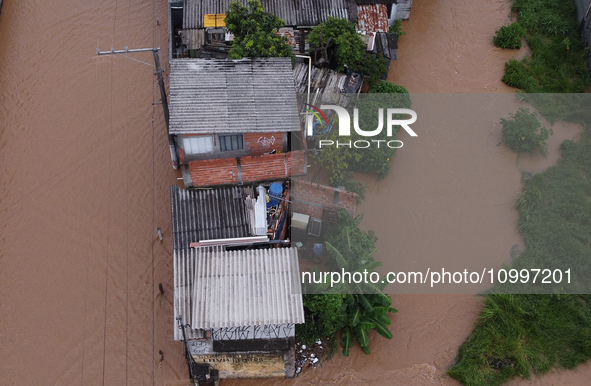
point(235, 121)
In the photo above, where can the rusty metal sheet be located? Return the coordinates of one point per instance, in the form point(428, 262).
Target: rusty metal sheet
point(373, 18)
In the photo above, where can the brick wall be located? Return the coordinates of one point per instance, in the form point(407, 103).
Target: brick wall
point(311, 198)
point(289, 33)
point(265, 167)
point(214, 172)
point(261, 143)
point(251, 168)
point(297, 161)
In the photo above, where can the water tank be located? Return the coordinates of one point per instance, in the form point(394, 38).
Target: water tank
point(275, 191)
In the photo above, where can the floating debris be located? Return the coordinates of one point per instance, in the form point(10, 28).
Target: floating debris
point(309, 355)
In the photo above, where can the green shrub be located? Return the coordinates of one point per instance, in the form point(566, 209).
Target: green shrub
point(509, 36)
point(361, 242)
point(396, 29)
point(324, 318)
point(341, 307)
point(523, 132)
point(388, 88)
point(378, 159)
point(556, 63)
point(517, 75)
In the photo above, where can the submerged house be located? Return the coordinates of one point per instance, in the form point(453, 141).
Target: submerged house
point(198, 25)
point(237, 293)
point(235, 121)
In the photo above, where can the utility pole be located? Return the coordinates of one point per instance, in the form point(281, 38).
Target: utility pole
point(164, 99)
point(171, 141)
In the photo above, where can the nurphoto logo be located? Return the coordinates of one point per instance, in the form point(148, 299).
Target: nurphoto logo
point(344, 119)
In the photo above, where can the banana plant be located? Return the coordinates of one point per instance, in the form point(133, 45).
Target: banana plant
point(364, 313)
point(365, 306)
point(352, 263)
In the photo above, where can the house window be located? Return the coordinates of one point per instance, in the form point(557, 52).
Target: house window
point(198, 145)
point(231, 142)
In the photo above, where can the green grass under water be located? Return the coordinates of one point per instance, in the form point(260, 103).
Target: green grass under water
point(557, 60)
point(517, 335)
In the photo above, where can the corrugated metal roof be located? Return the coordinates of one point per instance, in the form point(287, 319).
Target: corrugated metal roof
point(325, 82)
point(360, 2)
point(373, 18)
point(209, 214)
point(248, 95)
point(294, 12)
point(240, 288)
point(386, 44)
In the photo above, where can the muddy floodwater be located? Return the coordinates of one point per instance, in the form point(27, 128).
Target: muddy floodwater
point(84, 176)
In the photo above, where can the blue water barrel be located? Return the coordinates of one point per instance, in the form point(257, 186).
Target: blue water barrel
point(275, 191)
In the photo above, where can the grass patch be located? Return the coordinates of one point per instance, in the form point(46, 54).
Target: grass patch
point(509, 36)
point(518, 334)
point(523, 132)
point(557, 61)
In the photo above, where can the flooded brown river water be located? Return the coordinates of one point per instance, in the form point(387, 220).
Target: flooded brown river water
point(84, 176)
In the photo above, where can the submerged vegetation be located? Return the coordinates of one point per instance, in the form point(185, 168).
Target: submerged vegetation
point(353, 312)
point(396, 29)
point(525, 333)
point(509, 36)
point(556, 63)
point(518, 334)
point(523, 132)
point(342, 162)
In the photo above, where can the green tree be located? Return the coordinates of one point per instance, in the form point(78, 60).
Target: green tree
point(340, 35)
point(349, 49)
point(255, 32)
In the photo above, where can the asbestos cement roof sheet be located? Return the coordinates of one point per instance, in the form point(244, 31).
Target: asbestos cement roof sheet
point(232, 96)
point(216, 288)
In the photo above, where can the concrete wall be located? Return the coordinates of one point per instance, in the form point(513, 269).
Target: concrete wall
point(246, 365)
point(261, 143)
point(311, 198)
point(254, 144)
